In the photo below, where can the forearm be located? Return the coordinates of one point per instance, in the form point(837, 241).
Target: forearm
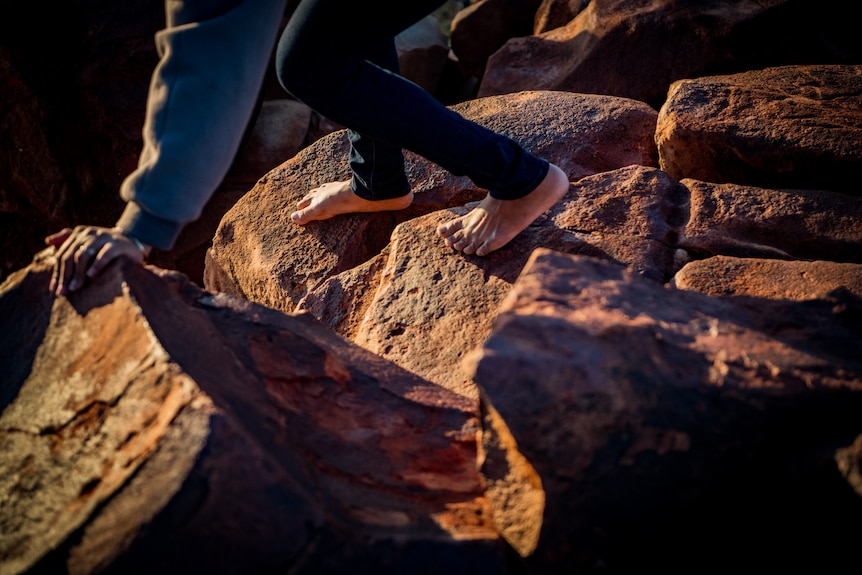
point(201, 98)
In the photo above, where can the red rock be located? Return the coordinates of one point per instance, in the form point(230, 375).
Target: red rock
point(656, 417)
point(787, 127)
point(149, 426)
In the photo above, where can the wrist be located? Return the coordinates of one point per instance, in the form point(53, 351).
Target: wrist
point(145, 249)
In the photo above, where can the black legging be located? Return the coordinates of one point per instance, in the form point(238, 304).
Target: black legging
point(338, 56)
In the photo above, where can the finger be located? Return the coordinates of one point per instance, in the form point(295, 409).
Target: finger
point(63, 273)
point(58, 238)
point(65, 264)
point(55, 279)
point(84, 256)
point(112, 251)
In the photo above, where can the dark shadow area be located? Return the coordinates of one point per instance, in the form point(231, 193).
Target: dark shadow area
point(25, 311)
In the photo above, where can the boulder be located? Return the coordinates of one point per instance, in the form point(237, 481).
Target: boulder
point(769, 278)
point(747, 221)
point(552, 14)
point(422, 53)
point(148, 426)
point(785, 127)
point(478, 30)
point(259, 254)
point(637, 49)
point(677, 431)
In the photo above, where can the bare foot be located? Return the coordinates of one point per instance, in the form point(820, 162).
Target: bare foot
point(494, 223)
point(337, 198)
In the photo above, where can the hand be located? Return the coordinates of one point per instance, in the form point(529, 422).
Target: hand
point(84, 252)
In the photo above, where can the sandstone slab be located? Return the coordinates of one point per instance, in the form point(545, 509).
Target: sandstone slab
point(769, 278)
point(148, 426)
point(783, 127)
point(746, 221)
point(657, 419)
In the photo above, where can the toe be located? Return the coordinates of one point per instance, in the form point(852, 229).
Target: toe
point(460, 244)
point(455, 238)
point(299, 217)
point(447, 229)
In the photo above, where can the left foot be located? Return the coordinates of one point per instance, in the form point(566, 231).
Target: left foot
point(494, 223)
point(336, 198)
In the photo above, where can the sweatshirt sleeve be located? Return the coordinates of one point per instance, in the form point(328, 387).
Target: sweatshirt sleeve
point(201, 97)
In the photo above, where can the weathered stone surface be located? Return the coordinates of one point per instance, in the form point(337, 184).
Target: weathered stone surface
point(278, 134)
point(553, 14)
point(148, 426)
point(637, 49)
point(747, 221)
point(767, 278)
point(483, 26)
point(583, 134)
point(785, 127)
point(656, 418)
point(422, 52)
point(423, 306)
point(259, 254)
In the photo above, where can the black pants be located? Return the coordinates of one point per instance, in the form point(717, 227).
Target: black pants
point(338, 56)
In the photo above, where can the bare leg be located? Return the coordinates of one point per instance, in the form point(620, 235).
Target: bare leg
point(336, 198)
point(494, 223)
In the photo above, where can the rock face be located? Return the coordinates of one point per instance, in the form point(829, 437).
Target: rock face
point(818, 143)
point(149, 426)
point(642, 407)
point(661, 374)
point(637, 49)
point(657, 418)
point(583, 135)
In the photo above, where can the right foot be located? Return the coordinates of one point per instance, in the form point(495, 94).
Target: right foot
point(494, 223)
point(336, 198)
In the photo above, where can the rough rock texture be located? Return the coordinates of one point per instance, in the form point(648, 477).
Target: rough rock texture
point(424, 307)
point(260, 255)
point(637, 49)
point(483, 26)
point(422, 52)
point(672, 429)
point(747, 221)
point(714, 129)
point(148, 426)
point(621, 425)
point(553, 14)
point(767, 278)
